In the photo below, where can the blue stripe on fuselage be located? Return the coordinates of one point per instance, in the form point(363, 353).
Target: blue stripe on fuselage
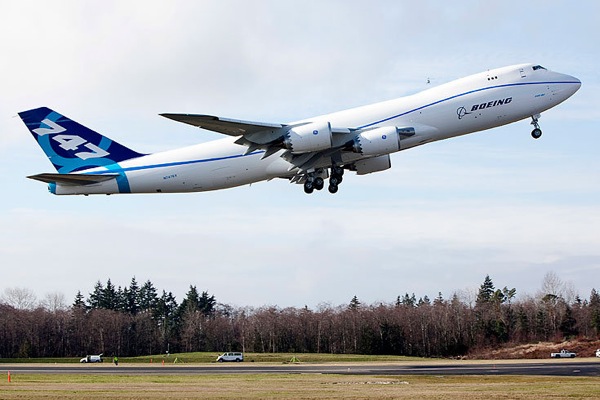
point(124, 183)
point(460, 95)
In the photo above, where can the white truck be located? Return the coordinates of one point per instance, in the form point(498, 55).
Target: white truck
point(563, 354)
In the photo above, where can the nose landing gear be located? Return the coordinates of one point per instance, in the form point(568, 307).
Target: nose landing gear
point(536, 133)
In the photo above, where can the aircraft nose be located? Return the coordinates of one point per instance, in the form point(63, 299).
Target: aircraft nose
point(574, 84)
point(567, 87)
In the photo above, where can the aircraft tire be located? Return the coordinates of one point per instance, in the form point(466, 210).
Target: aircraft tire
point(536, 133)
point(308, 187)
point(319, 183)
point(333, 189)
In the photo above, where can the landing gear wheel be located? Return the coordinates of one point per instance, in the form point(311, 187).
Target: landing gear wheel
point(333, 189)
point(308, 187)
point(537, 132)
point(334, 180)
point(319, 183)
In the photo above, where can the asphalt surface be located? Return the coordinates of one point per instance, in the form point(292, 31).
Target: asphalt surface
point(550, 368)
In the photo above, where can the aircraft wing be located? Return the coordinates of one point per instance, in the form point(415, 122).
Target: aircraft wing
point(73, 179)
point(232, 127)
point(269, 138)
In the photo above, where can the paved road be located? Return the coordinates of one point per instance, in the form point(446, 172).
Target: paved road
point(554, 368)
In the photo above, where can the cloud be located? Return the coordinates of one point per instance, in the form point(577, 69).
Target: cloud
point(445, 215)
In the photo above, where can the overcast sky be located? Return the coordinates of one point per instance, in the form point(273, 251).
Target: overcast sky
point(445, 215)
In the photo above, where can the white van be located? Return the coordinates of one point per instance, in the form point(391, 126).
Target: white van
point(92, 359)
point(238, 357)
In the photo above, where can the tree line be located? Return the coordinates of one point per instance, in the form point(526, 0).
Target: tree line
point(137, 320)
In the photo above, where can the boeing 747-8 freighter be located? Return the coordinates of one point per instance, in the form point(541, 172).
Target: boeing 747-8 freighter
point(307, 152)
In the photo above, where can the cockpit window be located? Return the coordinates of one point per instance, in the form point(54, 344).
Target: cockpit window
point(536, 67)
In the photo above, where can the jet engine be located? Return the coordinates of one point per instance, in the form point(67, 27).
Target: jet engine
point(307, 138)
point(377, 141)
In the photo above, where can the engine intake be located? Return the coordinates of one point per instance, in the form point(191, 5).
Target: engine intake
point(377, 141)
point(307, 138)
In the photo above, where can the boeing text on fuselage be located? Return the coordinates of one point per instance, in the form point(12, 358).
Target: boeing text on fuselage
point(308, 152)
point(491, 104)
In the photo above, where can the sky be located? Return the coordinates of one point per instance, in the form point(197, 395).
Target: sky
point(443, 217)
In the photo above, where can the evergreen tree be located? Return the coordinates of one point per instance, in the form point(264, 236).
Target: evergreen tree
point(498, 297)
point(206, 304)
point(148, 297)
point(166, 307)
point(96, 298)
point(486, 291)
point(132, 297)
point(354, 303)
point(191, 302)
point(439, 300)
point(594, 299)
point(568, 324)
point(121, 299)
point(409, 301)
point(509, 294)
point(594, 307)
point(166, 314)
point(79, 302)
point(109, 296)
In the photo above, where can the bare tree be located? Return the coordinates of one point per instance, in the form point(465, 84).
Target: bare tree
point(19, 298)
point(54, 302)
point(554, 286)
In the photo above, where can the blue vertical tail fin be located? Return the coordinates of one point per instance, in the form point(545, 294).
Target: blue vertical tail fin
point(71, 146)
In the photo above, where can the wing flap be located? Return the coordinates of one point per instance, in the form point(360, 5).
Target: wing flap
point(73, 179)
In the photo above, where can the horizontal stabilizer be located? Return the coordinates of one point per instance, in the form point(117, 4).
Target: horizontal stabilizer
point(232, 127)
point(73, 179)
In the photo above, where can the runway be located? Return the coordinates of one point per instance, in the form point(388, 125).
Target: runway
point(549, 368)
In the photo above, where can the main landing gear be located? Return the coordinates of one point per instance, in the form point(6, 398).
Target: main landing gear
point(335, 179)
point(313, 182)
point(536, 133)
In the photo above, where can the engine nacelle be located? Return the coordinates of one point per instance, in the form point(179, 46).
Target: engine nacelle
point(377, 141)
point(375, 164)
point(316, 136)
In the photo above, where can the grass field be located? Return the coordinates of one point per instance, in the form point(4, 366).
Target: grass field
point(210, 357)
point(304, 386)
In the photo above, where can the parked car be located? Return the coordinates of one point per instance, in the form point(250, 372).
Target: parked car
point(563, 354)
point(598, 353)
point(92, 359)
point(238, 357)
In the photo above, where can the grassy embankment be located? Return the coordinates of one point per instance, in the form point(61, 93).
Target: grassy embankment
point(210, 357)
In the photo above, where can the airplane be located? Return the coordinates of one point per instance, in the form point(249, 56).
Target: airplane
point(305, 152)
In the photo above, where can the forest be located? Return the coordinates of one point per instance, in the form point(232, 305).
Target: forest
point(137, 320)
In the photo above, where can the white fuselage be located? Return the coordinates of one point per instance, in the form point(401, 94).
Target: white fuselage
point(478, 102)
